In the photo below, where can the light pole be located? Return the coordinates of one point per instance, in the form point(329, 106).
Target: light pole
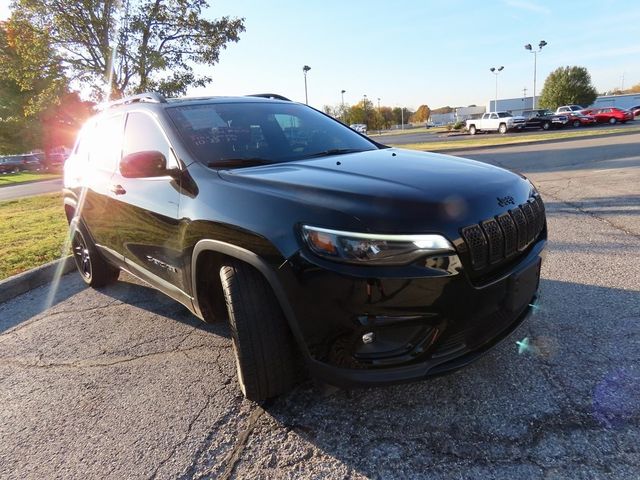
point(496, 72)
point(342, 105)
point(305, 69)
point(535, 61)
point(401, 118)
point(364, 105)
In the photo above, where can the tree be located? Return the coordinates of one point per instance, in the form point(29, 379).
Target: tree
point(633, 89)
point(422, 114)
point(568, 85)
point(31, 83)
point(119, 47)
point(400, 114)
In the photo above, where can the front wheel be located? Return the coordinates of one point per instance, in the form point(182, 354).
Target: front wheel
point(613, 121)
point(576, 123)
point(265, 353)
point(546, 125)
point(93, 268)
point(502, 128)
point(472, 130)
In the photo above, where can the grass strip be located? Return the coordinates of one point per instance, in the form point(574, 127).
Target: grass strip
point(32, 232)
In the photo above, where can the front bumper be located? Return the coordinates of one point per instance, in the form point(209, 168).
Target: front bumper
point(422, 322)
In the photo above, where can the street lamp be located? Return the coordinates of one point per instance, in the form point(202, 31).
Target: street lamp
point(364, 106)
point(535, 61)
point(305, 69)
point(496, 72)
point(342, 92)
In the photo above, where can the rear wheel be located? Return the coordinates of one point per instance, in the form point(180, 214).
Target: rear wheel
point(93, 268)
point(265, 353)
point(613, 120)
point(576, 123)
point(502, 128)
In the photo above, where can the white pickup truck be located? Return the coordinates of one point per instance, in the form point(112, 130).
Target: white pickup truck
point(495, 121)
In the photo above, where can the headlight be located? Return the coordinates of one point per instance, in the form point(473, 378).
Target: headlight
point(372, 249)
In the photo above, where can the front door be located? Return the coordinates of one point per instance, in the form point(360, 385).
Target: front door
point(146, 209)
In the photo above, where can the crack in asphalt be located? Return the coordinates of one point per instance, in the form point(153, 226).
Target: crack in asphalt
point(233, 458)
point(85, 364)
point(590, 213)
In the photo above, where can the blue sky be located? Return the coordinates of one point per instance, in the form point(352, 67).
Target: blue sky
point(433, 52)
point(412, 52)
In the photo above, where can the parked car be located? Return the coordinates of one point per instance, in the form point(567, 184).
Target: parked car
point(611, 115)
point(569, 108)
point(359, 127)
point(577, 119)
point(544, 119)
point(635, 110)
point(31, 162)
point(340, 255)
point(11, 164)
point(495, 121)
point(55, 161)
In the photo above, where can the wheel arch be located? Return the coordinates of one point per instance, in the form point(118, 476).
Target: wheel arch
point(216, 251)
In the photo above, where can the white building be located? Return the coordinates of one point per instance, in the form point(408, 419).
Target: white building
point(621, 101)
point(517, 105)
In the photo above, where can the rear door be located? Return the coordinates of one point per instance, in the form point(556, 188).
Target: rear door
point(145, 210)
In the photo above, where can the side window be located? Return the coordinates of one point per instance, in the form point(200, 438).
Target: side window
point(142, 133)
point(105, 143)
point(83, 145)
point(494, 115)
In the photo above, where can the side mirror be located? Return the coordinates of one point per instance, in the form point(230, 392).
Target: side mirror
point(149, 163)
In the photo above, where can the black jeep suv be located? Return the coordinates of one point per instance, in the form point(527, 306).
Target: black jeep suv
point(544, 119)
point(326, 252)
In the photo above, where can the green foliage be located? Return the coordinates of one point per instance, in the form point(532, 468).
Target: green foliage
point(568, 85)
point(458, 125)
point(421, 115)
point(633, 89)
point(31, 81)
point(156, 42)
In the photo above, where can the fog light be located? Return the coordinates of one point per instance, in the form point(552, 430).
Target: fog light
point(368, 337)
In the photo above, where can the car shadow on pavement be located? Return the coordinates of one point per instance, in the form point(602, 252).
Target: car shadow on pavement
point(127, 290)
point(36, 301)
point(567, 376)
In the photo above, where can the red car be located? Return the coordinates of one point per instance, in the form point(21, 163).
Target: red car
point(610, 115)
point(578, 119)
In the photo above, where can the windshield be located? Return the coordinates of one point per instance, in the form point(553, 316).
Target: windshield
point(246, 133)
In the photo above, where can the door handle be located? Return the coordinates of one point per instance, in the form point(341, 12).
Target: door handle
point(117, 189)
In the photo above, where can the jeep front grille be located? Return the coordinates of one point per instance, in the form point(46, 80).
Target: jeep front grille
point(496, 239)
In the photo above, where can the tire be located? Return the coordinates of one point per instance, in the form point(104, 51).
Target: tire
point(263, 345)
point(613, 121)
point(472, 130)
point(545, 126)
point(576, 123)
point(93, 268)
point(502, 128)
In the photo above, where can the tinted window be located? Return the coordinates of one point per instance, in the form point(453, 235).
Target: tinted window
point(142, 133)
point(271, 132)
point(504, 115)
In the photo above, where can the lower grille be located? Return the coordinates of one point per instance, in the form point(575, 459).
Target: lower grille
point(495, 239)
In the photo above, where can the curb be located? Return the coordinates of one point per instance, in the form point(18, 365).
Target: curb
point(524, 144)
point(23, 282)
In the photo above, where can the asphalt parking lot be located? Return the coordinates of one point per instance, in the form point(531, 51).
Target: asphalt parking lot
point(125, 383)
point(410, 137)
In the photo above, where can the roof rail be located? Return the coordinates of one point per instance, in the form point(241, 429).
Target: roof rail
point(273, 96)
point(147, 97)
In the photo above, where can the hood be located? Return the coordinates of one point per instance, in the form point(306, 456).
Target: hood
point(393, 190)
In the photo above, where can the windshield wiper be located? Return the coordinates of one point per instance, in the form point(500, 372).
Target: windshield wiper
point(238, 162)
point(334, 151)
